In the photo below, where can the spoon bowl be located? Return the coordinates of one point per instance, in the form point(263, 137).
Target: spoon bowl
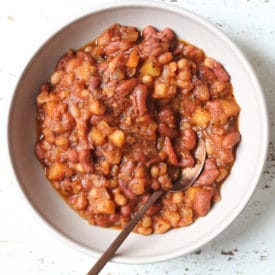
point(190, 174)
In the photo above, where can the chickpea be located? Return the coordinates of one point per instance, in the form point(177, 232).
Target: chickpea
point(209, 62)
point(88, 49)
point(185, 84)
point(161, 226)
point(177, 197)
point(185, 75)
point(154, 172)
point(93, 69)
point(105, 167)
point(63, 94)
point(120, 199)
point(113, 183)
point(117, 138)
point(147, 79)
point(172, 67)
point(76, 186)
point(145, 231)
point(96, 107)
point(42, 98)
point(96, 137)
point(165, 58)
point(183, 63)
point(140, 172)
point(161, 90)
point(172, 217)
point(74, 110)
point(62, 142)
point(56, 77)
point(138, 185)
point(147, 221)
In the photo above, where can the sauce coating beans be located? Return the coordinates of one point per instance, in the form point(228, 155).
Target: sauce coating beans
point(121, 117)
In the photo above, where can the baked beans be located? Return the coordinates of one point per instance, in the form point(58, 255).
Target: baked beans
point(120, 117)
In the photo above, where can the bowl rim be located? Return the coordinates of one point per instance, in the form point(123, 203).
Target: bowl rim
point(252, 75)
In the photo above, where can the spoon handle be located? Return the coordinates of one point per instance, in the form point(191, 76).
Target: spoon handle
point(123, 235)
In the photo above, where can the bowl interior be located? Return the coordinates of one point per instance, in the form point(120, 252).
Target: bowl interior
point(235, 192)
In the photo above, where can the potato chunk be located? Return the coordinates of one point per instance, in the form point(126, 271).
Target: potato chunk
point(201, 117)
point(117, 138)
point(230, 107)
point(150, 68)
point(59, 171)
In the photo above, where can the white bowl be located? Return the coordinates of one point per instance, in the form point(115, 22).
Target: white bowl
point(236, 191)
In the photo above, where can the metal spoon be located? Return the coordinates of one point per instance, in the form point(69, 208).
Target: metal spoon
point(188, 177)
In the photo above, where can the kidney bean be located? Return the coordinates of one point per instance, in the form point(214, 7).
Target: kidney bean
point(165, 58)
point(72, 155)
point(174, 173)
point(215, 108)
point(193, 53)
point(168, 149)
point(230, 140)
point(63, 61)
point(210, 164)
point(148, 31)
point(155, 185)
point(187, 160)
point(152, 161)
point(209, 174)
point(205, 73)
point(168, 34)
point(220, 72)
point(201, 91)
point(45, 87)
point(113, 218)
point(39, 151)
point(67, 122)
point(126, 190)
point(225, 156)
point(94, 83)
point(126, 210)
point(153, 210)
point(116, 46)
point(208, 177)
point(111, 153)
point(80, 54)
point(202, 202)
point(139, 156)
point(166, 131)
point(188, 105)
point(127, 169)
point(220, 88)
point(102, 220)
point(167, 116)
point(86, 161)
point(126, 86)
point(96, 118)
point(140, 96)
point(189, 139)
point(151, 47)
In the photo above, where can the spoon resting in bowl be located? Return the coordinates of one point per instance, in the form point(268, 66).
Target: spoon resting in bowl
point(188, 177)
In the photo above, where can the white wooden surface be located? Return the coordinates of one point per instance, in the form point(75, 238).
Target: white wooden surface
point(26, 248)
